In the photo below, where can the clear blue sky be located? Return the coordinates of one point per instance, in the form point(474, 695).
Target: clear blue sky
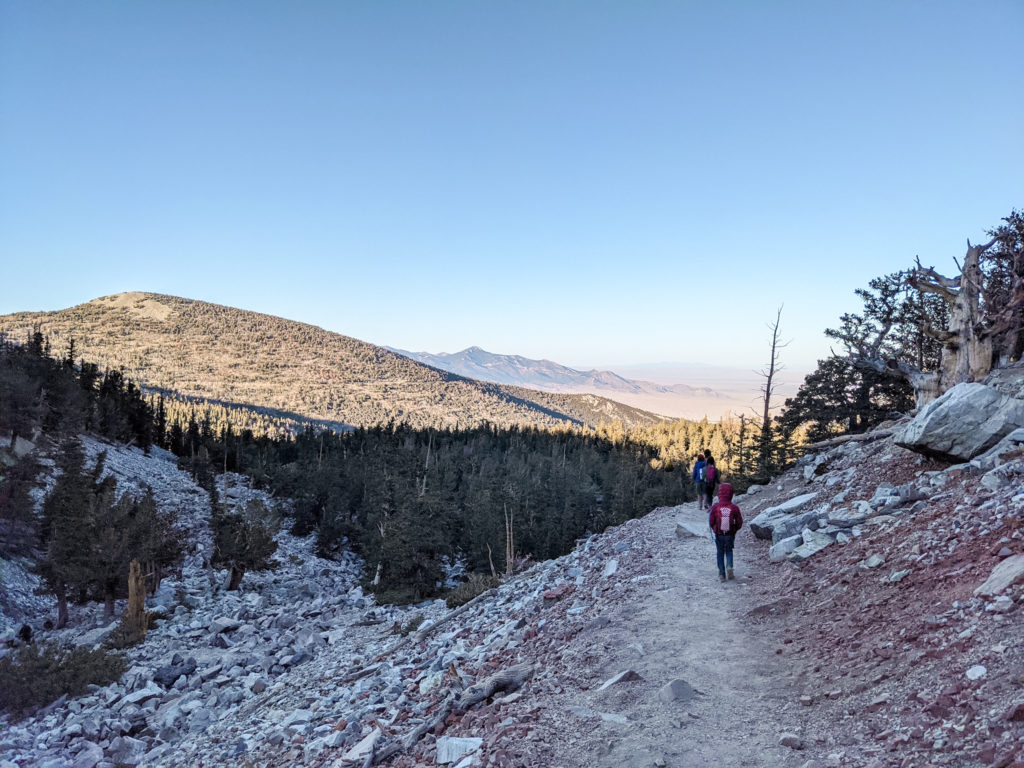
point(592, 182)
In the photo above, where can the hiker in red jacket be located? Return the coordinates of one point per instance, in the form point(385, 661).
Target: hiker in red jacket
point(725, 520)
point(712, 477)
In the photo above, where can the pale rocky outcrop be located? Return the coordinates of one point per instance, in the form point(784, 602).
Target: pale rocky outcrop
point(966, 421)
point(1008, 572)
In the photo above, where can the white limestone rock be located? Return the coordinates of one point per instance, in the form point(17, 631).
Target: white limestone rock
point(677, 690)
point(88, 756)
point(364, 747)
point(95, 637)
point(125, 750)
point(813, 543)
point(778, 552)
point(763, 525)
point(964, 422)
point(626, 676)
point(791, 525)
point(1005, 574)
point(451, 749)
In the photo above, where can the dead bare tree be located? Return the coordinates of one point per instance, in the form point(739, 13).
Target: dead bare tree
point(510, 547)
point(767, 391)
point(135, 619)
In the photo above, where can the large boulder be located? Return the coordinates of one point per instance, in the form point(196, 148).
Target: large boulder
point(1008, 572)
point(965, 422)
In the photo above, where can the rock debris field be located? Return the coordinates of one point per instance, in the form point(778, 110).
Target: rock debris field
point(875, 622)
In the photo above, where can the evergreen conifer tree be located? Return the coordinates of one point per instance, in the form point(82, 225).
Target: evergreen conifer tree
point(66, 567)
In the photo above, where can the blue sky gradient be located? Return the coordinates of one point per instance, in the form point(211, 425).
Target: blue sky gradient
point(591, 182)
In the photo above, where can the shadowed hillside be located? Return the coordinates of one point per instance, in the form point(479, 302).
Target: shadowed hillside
point(208, 351)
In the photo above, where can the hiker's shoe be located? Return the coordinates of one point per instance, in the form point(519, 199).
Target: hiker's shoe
point(721, 577)
point(729, 574)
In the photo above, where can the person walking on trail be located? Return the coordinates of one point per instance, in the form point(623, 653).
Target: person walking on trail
point(712, 477)
point(725, 520)
point(698, 481)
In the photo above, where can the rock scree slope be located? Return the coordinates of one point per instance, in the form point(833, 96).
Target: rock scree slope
point(301, 668)
point(888, 632)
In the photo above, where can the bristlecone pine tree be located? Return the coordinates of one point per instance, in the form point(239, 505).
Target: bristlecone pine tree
point(67, 566)
point(245, 541)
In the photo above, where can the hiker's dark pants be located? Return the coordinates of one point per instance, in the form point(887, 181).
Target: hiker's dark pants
point(710, 491)
point(702, 494)
point(724, 546)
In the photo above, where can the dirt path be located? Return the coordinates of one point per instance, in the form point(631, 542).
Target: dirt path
point(677, 622)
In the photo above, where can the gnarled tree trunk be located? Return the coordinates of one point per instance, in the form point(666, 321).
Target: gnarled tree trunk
point(967, 349)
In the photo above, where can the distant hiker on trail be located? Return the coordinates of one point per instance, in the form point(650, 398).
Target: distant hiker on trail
point(726, 521)
point(698, 480)
point(712, 477)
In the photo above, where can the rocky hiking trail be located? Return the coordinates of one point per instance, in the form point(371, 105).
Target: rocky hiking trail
point(676, 626)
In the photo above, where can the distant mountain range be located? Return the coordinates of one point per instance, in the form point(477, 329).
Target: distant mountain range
point(294, 371)
point(713, 392)
point(477, 363)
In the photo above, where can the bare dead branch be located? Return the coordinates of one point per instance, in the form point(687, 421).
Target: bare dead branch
point(504, 680)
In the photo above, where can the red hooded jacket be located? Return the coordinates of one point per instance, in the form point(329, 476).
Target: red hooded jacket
point(725, 501)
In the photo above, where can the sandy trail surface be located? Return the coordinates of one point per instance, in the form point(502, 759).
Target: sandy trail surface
point(677, 621)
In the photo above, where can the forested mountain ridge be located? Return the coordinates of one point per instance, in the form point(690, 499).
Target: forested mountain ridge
point(213, 352)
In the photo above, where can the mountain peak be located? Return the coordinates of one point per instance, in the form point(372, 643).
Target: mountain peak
point(298, 372)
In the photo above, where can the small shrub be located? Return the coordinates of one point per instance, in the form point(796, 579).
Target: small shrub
point(410, 626)
point(125, 635)
point(37, 675)
point(477, 584)
point(245, 541)
point(394, 596)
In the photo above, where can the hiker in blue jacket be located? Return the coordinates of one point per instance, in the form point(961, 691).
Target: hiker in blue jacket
point(698, 480)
